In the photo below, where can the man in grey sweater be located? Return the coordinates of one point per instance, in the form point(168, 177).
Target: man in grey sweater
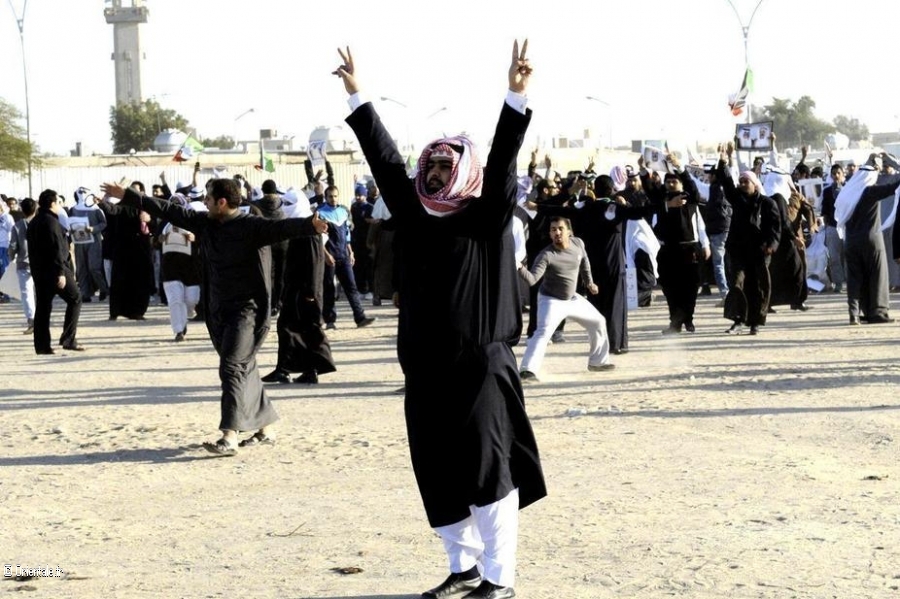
point(557, 267)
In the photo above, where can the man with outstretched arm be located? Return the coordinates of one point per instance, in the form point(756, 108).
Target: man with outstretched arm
point(472, 448)
point(236, 289)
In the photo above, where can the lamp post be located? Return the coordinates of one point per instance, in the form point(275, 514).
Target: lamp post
point(406, 108)
point(20, 22)
point(745, 30)
point(609, 122)
point(236, 119)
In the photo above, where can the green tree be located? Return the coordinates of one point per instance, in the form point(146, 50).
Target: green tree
point(851, 127)
point(134, 126)
point(223, 142)
point(794, 123)
point(14, 147)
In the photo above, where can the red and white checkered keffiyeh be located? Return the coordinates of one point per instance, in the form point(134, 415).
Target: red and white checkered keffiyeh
point(465, 181)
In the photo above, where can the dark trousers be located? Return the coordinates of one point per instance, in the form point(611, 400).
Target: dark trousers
point(279, 262)
point(749, 288)
point(362, 268)
point(344, 273)
point(45, 290)
point(679, 275)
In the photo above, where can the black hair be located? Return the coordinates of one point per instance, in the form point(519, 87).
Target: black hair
point(47, 198)
point(225, 189)
point(28, 207)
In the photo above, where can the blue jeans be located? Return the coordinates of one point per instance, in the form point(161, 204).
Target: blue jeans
point(717, 249)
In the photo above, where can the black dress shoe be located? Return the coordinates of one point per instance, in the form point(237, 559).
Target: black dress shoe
point(310, 377)
point(689, 327)
point(455, 587)
point(73, 347)
point(801, 307)
point(880, 320)
point(489, 590)
point(276, 376)
point(44, 352)
point(365, 322)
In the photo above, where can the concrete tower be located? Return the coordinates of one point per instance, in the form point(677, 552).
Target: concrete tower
point(127, 52)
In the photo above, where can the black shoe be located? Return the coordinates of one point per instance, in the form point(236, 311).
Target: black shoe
point(528, 377)
point(689, 327)
point(310, 377)
point(620, 351)
point(489, 590)
point(330, 326)
point(705, 290)
point(276, 376)
point(179, 337)
point(754, 330)
point(102, 296)
point(365, 322)
point(44, 352)
point(557, 337)
point(455, 587)
point(73, 347)
point(880, 320)
point(671, 330)
point(376, 301)
point(601, 367)
point(801, 307)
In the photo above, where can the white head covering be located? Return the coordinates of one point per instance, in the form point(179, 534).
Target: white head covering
point(778, 181)
point(850, 194)
point(81, 196)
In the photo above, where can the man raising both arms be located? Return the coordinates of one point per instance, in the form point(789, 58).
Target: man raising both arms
point(472, 447)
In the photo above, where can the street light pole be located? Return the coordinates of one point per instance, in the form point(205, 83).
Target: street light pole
point(609, 121)
point(237, 118)
point(20, 22)
point(745, 30)
point(406, 108)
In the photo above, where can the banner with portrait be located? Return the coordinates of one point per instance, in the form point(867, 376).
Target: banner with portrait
point(754, 136)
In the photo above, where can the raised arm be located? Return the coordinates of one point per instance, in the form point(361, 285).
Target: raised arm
point(385, 161)
point(501, 165)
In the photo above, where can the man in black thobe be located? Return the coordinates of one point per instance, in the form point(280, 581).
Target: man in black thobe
point(53, 274)
point(858, 212)
point(472, 447)
point(236, 288)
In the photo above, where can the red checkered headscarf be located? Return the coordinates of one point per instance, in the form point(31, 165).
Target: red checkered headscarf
point(466, 177)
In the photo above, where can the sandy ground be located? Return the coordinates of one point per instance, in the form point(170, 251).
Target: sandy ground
point(704, 466)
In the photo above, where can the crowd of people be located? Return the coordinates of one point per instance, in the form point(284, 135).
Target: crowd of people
point(464, 252)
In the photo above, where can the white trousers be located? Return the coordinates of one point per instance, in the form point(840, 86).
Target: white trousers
point(182, 301)
point(486, 539)
point(26, 287)
point(551, 312)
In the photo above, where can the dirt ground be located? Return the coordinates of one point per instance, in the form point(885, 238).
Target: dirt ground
point(703, 466)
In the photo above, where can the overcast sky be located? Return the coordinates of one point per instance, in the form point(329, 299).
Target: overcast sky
point(665, 68)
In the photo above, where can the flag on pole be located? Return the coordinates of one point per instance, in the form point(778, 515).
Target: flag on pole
point(265, 161)
point(188, 150)
point(739, 100)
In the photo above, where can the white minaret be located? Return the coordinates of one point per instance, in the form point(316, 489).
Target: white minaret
point(127, 52)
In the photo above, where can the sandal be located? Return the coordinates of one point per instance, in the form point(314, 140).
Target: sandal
point(220, 448)
point(257, 439)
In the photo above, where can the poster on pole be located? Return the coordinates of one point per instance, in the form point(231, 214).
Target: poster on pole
point(754, 136)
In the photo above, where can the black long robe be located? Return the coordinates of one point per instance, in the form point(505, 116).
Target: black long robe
point(235, 291)
point(469, 436)
point(868, 282)
point(787, 268)
point(302, 344)
point(132, 281)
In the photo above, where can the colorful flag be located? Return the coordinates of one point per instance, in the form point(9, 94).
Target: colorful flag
point(265, 161)
point(188, 150)
point(739, 100)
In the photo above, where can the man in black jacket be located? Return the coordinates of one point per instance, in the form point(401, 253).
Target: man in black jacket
point(53, 274)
